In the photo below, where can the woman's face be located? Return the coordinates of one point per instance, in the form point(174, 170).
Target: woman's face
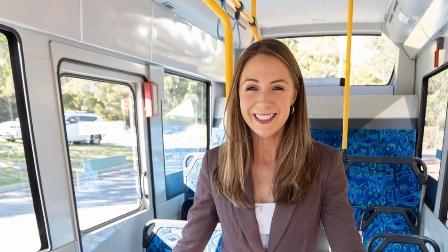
point(266, 92)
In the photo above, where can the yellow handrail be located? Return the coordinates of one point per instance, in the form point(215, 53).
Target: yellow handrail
point(347, 76)
point(250, 18)
point(245, 14)
point(253, 25)
point(228, 41)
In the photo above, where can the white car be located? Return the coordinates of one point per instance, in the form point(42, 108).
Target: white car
point(80, 127)
point(10, 130)
point(83, 127)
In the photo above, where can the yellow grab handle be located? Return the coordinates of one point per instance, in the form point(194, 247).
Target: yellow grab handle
point(228, 41)
point(347, 76)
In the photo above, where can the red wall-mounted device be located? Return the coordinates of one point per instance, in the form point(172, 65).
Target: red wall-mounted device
point(151, 97)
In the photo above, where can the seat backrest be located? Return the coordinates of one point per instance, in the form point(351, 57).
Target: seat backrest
point(403, 243)
point(163, 235)
point(386, 194)
point(385, 181)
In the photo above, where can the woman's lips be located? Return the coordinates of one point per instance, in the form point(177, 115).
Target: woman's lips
point(264, 118)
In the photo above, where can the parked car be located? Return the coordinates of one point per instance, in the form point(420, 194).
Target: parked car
point(10, 130)
point(79, 126)
point(83, 127)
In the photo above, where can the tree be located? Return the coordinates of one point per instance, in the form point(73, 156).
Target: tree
point(102, 98)
point(8, 107)
point(372, 60)
point(178, 89)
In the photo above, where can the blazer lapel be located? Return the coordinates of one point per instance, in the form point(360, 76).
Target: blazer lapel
point(248, 221)
point(280, 221)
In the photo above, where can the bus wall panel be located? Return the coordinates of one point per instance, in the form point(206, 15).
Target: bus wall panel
point(434, 228)
point(71, 247)
point(54, 16)
point(424, 65)
point(124, 235)
point(404, 75)
point(425, 62)
point(123, 26)
point(49, 138)
point(180, 45)
point(363, 107)
point(156, 74)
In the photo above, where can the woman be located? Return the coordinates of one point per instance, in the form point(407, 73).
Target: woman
point(269, 184)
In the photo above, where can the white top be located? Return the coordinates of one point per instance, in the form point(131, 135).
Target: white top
point(264, 213)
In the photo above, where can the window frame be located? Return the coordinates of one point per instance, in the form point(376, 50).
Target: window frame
point(442, 210)
point(342, 79)
point(140, 172)
point(207, 118)
point(22, 101)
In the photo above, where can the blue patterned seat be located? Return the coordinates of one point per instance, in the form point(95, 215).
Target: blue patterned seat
point(191, 178)
point(401, 243)
point(163, 235)
point(386, 194)
point(371, 142)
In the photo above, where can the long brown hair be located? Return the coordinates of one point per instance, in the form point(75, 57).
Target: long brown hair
point(297, 166)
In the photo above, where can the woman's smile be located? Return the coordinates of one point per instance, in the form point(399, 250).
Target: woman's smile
point(264, 118)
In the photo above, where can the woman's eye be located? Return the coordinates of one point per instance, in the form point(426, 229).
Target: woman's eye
point(278, 88)
point(251, 88)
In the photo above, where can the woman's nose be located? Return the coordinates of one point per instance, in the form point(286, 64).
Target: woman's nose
point(264, 96)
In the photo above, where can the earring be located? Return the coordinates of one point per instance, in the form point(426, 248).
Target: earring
point(292, 109)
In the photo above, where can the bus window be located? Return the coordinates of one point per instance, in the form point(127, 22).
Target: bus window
point(21, 215)
point(434, 127)
point(184, 126)
point(102, 145)
point(324, 57)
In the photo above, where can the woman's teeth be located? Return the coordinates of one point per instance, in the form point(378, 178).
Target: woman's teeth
point(264, 117)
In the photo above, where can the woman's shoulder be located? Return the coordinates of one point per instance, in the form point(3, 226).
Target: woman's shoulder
point(324, 151)
point(211, 157)
point(212, 154)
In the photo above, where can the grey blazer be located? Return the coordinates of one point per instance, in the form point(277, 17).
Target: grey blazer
point(294, 226)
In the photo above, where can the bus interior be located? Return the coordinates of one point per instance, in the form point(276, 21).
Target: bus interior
point(107, 108)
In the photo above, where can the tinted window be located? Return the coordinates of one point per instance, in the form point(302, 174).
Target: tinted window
point(103, 153)
point(19, 228)
point(184, 111)
point(324, 57)
point(434, 128)
point(87, 118)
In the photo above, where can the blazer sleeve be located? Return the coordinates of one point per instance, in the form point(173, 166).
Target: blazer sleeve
point(337, 214)
point(202, 216)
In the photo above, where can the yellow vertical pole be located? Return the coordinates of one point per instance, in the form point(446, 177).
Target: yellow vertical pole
point(347, 76)
point(228, 41)
point(253, 26)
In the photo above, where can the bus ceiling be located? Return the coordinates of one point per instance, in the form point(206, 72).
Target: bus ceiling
point(407, 23)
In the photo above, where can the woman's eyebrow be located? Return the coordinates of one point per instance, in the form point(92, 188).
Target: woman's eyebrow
point(250, 79)
point(279, 80)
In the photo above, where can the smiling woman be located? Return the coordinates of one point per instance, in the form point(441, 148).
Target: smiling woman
point(270, 185)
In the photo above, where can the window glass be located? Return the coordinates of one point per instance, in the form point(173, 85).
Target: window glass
point(434, 129)
point(372, 62)
point(16, 203)
point(184, 126)
point(102, 142)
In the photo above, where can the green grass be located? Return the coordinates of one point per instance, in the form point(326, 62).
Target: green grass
point(10, 176)
point(12, 153)
point(81, 152)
